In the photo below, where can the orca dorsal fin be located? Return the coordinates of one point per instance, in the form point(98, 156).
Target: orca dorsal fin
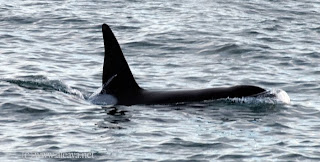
point(117, 77)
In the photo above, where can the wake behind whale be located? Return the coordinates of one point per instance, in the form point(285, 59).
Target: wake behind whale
point(120, 88)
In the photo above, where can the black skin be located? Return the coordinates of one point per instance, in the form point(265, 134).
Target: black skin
point(168, 97)
point(118, 81)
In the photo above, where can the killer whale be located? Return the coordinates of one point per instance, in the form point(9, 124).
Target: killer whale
point(118, 81)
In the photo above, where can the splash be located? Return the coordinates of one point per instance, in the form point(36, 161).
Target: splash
point(281, 95)
point(274, 96)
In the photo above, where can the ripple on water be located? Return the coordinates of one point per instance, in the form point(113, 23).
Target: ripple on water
point(177, 143)
point(40, 82)
point(19, 108)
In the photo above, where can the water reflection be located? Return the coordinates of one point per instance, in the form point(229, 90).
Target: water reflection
point(113, 118)
point(220, 111)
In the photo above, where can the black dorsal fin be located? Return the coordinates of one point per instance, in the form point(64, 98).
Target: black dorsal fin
point(117, 77)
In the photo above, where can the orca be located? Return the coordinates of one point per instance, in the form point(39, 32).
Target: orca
point(118, 81)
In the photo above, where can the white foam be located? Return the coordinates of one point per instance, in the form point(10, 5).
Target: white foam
point(274, 96)
point(281, 95)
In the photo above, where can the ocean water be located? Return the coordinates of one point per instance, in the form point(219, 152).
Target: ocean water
point(51, 57)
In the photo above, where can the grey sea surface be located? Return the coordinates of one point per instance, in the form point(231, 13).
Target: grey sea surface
point(51, 57)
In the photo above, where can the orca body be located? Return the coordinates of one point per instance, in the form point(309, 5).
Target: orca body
point(118, 81)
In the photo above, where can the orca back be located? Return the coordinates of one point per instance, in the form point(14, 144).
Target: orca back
point(118, 81)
